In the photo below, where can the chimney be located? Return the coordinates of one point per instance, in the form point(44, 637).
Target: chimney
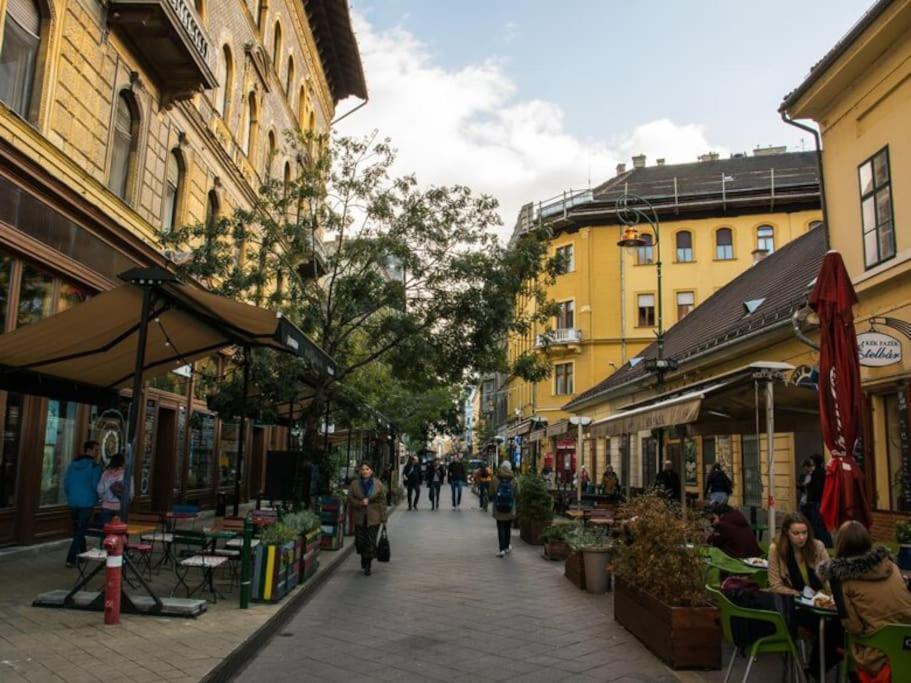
point(621, 169)
point(759, 254)
point(659, 162)
point(639, 161)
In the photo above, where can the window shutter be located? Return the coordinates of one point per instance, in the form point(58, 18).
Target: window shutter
point(26, 14)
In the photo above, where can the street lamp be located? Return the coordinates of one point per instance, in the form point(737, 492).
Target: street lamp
point(632, 210)
point(580, 421)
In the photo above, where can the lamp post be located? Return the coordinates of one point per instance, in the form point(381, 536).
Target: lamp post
point(580, 421)
point(631, 211)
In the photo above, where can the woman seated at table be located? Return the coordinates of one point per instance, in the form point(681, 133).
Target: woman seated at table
point(731, 532)
point(868, 589)
point(795, 557)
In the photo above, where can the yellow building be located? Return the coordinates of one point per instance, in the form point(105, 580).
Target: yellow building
point(118, 121)
point(716, 218)
point(859, 94)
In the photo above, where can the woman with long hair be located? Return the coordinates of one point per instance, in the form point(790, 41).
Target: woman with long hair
point(111, 488)
point(367, 499)
point(795, 556)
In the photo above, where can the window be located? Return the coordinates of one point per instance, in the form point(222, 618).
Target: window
point(724, 244)
point(123, 147)
point(286, 178)
point(765, 238)
point(301, 106)
point(36, 299)
point(645, 254)
point(173, 185)
point(894, 405)
point(563, 378)
point(686, 301)
point(289, 80)
point(202, 450)
point(9, 457)
point(225, 82)
point(277, 48)
point(250, 129)
point(876, 208)
point(270, 156)
point(211, 223)
point(60, 433)
point(19, 55)
point(227, 453)
point(69, 295)
point(684, 246)
point(6, 274)
point(567, 259)
point(646, 304)
point(565, 318)
point(260, 13)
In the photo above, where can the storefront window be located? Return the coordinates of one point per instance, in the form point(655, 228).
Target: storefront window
point(202, 450)
point(6, 266)
point(35, 295)
point(59, 450)
point(70, 295)
point(227, 453)
point(896, 409)
point(9, 458)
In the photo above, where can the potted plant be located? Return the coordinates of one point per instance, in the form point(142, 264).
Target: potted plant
point(554, 538)
point(307, 525)
point(903, 537)
point(534, 508)
point(596, 547)
point(274, 570)
point(574, 566)
point(659, 588)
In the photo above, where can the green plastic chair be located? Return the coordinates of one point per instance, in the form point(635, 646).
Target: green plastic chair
point(890, 640)
point(721, 563)
point(779, 642)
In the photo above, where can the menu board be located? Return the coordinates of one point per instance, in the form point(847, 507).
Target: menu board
point(148, 440)
point(904, 442)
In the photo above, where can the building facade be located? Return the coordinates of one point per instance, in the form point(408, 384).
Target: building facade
point(716, 218)
point(119, 121)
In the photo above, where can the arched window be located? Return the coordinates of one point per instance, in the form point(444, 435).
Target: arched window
point(724, 244)
point(19, 55)
point(200, 8)
point(645, 254)
point(301, 106)
point(311, 123)
point(277, 48)
point(123, 145)
point(684, 246)
point(286, 178)
point(250, 126)
point(225, 81)
point(212, 209)
point(270, 155)
point(173, 189)
point(765, 238)
point(260, 13)
point(289, 81)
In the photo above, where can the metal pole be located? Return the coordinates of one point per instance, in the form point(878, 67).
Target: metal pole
point(579, 466)
point(136, 400)
point(245, 584)
point(241, 447)
point(290, 424)
point(770, 437)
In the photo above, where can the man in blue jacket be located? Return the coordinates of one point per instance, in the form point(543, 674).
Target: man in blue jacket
point(81, 487)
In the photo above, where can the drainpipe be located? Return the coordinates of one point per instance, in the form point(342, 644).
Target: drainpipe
point(822, 185)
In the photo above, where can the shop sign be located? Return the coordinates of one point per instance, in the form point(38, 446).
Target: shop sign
point(876, 349)
point(566, 444)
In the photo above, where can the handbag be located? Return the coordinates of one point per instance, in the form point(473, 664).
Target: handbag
point(382, 547)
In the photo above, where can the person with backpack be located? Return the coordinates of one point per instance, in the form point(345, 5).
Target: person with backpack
point(110, 488)
point(80, 485)
point(412, 476)
point(718, 486)
point(456, 480)
point(483, 477)
point(504, 506)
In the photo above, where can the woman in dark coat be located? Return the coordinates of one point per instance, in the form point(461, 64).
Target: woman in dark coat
point(367, 498)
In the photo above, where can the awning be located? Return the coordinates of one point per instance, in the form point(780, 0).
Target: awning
point(537, 435)
point(89, 351)
point(674, 411)
point(519, 429)
point(558, 429)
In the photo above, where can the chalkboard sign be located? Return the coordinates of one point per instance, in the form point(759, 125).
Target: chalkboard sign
point(904, 450)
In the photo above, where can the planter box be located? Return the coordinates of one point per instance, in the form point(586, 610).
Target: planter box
point(575, 569)
point(332, 538)
point(530, 531)
point(333, 520)
point(275, 570)
point(309, 554)
point(682, 637)
point(556, 550)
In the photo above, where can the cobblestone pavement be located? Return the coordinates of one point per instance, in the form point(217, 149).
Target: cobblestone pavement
point(446, 608)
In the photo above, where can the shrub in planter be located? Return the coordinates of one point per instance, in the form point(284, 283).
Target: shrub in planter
point(534, 508)
point(276, 562)
point(660, 585)
point(596, 545)
point(554, 537)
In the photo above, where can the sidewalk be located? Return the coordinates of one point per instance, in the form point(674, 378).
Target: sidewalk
point(39, 644)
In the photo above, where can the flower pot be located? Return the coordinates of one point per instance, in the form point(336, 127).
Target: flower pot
point(556, 549)
point(683, 637)
point(530, 532)
point(574, 569)
point(596, 560)
point(904, 556)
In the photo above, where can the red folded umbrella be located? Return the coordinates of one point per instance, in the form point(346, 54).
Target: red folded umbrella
point(840, 396)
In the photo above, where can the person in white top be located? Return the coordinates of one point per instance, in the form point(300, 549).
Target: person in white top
point(110, 488)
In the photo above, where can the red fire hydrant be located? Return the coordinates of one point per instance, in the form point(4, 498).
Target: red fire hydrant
point(114, 542)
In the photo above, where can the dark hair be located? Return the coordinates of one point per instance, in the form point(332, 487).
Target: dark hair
point(716, 467)
point(806, 463)
point(116, 461)
point(817, 459)
point(852, 540)
point(89, 445)
point(784, 541)
point(719, 509)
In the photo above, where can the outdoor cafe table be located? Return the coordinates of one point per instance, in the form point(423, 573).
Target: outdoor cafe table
point(824, 615)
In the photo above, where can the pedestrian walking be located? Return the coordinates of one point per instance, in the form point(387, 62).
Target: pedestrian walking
point(718, 487)
point(412, 476)
point(436, 475)
point(80, 484)
point(456, 480)
point(367, 499)
point(668, 482)
point(504, 506)
point(610, 484)
point(483, 477)
point(110, 488)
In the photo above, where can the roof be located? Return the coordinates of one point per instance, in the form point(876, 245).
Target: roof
point(780, 283)
point(330, 22)
point(837, 51)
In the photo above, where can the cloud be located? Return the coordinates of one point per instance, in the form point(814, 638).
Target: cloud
point(469, 125)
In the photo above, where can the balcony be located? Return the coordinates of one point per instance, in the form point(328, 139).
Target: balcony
point(568, 338)
point(168, 38)
point(315, 264)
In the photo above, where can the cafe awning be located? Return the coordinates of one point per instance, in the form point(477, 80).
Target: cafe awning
point(89, 352)
point(673, 411)
point(558, 429)
point(537, 435)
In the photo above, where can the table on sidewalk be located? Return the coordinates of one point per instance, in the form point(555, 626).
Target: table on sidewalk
point(824, 614)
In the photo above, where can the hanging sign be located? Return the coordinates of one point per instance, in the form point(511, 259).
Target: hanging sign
point(876, 349)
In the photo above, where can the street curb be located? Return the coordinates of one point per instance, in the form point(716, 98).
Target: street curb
point(238, 659)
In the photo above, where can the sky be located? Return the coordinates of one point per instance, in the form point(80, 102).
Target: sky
point(526, 99)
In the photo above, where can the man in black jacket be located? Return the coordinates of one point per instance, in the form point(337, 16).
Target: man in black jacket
point(456, 480)
point(668, 482)
point(814, 499)
point(412, 476)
